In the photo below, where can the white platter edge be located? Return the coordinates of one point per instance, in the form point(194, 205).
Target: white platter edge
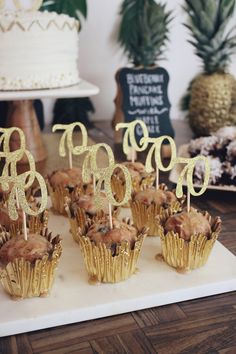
point(72, 299)
point(82, 89)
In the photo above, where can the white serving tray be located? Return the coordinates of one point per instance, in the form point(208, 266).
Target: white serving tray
point(175, 172)
point(74, 300)
point(82, 89)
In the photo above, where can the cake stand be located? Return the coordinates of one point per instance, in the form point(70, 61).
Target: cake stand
point(21, 113)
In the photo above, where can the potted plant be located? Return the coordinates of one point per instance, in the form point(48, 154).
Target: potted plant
point(212, 94)
point(142, 89)
point(72, 8)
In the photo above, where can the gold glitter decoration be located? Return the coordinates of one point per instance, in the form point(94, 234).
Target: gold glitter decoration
point(25, 28)
point(118, 185)
point(187, 173)
point(35, 6)
point(148, 215)
point(90, 165)
point(22, 279)
point(129, 139)
point(17, 184)
point(156, 151)
point(187, 255)
point(67, 138)
point(104, 175)
point(106, 179)
point(103, 266)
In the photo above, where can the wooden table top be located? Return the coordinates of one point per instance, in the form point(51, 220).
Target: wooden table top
point(201, 326)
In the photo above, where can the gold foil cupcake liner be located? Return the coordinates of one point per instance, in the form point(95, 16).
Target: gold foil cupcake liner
point(104, 267)
point(58, 196)
point(118, 186)
point(23, 279)
point(35, 224)
point(78, 219)
point(188, 255)
point(147, 215)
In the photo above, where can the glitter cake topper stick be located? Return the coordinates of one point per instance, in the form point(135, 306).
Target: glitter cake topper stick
point(130, 145)
point(67, 140)
point(18, 184)
point(155, 151)
point(187, 173)
point(104, 175)
point(90, 165)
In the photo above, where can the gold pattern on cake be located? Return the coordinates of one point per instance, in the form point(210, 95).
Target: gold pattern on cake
point(50, 24)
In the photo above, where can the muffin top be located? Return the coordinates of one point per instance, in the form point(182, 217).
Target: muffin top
point(100, 232)
point(187, 224)
point(136, 169)
point(66, 177)
point(157, 196)
point(87, 202)
point(36, 247)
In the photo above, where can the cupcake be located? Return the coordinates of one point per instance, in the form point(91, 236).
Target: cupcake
point(82, 206)
point(147, 204)
point(61, 183)
point(27, 267)
point(187, 238)
point(110, 255)
point(140, 179)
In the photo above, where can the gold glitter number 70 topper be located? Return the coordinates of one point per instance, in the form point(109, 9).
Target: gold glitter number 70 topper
point(17, 184)
point(187, 173)
point(129, 140)
point(155, 151)
point(11, 157)
point(104, 174)
point(67, 138)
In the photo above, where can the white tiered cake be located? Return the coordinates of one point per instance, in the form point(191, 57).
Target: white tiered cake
point(38, 50)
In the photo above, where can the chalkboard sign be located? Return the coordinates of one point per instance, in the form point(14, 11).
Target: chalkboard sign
point(143, 94)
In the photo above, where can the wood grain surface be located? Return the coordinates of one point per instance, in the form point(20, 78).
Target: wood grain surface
point(204, 326)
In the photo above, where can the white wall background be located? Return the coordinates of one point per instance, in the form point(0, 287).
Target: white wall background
point(101, 56)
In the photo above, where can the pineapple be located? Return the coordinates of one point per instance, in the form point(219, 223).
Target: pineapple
point(213, 93)
point(144, 31)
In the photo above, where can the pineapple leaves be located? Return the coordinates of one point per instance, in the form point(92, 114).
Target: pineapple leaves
point(73, 8)
point(208, 20)
point(144, 30)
